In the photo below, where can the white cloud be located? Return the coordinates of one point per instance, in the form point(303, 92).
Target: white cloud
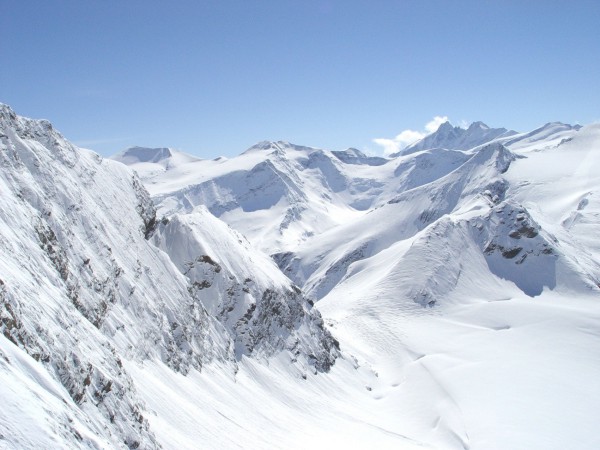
point(434, 124)
point(408, 137)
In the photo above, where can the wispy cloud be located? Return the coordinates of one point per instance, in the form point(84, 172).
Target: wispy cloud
point(408, 137)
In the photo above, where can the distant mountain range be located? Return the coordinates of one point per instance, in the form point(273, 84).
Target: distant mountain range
point(296, 297)
point(457, 138)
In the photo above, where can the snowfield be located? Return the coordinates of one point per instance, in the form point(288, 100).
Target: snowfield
point(293, 297)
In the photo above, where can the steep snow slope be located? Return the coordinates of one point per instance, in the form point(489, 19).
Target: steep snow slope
point(475, 184)
point(434, 183)
point(559, 185)
point(71, 296)
point(37, 411)
point(243, 288)
point(83, 294)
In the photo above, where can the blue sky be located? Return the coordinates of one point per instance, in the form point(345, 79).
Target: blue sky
point(214, 77)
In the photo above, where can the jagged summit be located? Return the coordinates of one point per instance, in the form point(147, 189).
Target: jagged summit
point(456, 138)
point(446, 128)
point(35, 127)
point(7, 113)
point(478, 126)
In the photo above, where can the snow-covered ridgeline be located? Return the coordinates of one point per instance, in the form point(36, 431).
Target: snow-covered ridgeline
point(463, 280)
point(243, 288)
point(82, 290)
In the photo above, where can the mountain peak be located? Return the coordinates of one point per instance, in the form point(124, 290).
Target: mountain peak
point(478, 126)
point(7, 113)
point(10, 119)
point(457, 138)
point(558, 124)
point(269, 145)
point(445, 127)
point(278, 146)
point(354, 152)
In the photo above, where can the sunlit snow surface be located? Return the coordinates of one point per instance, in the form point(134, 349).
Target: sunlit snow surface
point(461, 284)
point(457, 344)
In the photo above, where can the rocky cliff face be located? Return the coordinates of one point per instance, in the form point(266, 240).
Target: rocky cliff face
point(81, 288)
point(244, 290)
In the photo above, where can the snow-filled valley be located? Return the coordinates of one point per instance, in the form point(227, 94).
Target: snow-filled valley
point(291, 297)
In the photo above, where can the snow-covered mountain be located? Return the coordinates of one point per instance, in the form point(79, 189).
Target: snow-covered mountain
point(477, 192)
point(244, 290)
point(83, 293)
point(295, 297)
point(453, 239)
point(478, 287)
point(457, 138)
point(280, 195)
point(304, 190)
